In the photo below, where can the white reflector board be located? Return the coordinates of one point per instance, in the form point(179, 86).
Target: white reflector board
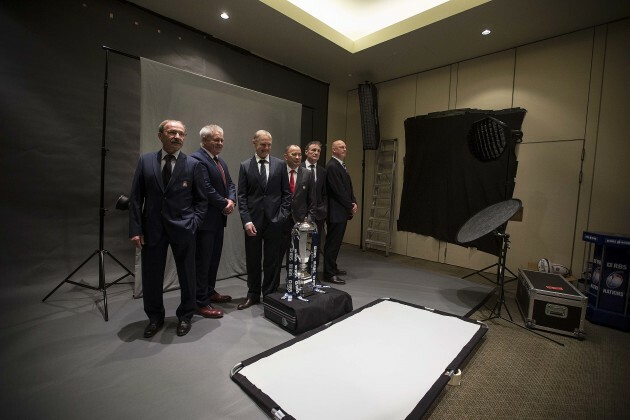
point(387, 360)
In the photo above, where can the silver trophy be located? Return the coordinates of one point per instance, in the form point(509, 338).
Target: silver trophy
point(302, 268)
point(305, 273)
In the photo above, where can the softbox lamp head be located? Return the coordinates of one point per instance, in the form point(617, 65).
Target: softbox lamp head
point(122, 203)
point(488, 138)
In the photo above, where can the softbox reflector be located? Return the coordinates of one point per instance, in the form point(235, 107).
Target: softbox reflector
point(390, 358)
point(487, 138)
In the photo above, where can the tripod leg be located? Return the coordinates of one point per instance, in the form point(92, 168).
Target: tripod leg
point(119, 263)
point(479, 271)
point(128, 272)
point(101, 282)
point(70, 275)
point(507, 310)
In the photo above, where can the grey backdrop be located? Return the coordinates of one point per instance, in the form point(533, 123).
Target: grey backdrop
point(51, 108)
point(168, 91)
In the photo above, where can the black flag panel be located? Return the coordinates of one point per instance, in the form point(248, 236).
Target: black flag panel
point(445, 181)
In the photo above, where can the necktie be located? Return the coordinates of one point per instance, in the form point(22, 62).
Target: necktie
point(167, 170)
point(314, 173)
point(292, 181)
point(216, 160)
point(263, 173)
point(345, 167)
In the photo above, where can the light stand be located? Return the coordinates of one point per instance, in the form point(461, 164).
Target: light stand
point(494, 219)
point(101, 252)
point(505, 245)
point(488, 139)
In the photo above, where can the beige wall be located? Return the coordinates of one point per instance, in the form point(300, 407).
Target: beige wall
point(573, 162)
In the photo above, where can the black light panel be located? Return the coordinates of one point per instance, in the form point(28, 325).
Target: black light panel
point(368, 103)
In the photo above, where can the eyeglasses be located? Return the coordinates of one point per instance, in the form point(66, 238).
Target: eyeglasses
point(175, 132)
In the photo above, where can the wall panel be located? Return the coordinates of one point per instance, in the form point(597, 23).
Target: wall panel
point(547, 183)
point(395, 98)
point(432, 90)
point(486, 82)
point(610, 204)
point(552, 84)
point(354, 143)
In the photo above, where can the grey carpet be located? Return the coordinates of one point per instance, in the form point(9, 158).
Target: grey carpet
point(60, 359)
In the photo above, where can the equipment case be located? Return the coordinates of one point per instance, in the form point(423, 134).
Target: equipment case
point(298, 316)
point(548, 302)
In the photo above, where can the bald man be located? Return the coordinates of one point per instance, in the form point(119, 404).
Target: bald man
point(342, 206)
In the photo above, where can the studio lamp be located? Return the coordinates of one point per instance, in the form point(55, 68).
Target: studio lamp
point(122, 203)
point(488, 138)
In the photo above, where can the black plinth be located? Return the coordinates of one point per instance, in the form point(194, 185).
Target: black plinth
point(298, 316)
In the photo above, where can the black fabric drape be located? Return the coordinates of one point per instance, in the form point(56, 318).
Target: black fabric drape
point(444, 184)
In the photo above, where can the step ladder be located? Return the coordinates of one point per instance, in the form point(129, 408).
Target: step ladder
point(381, 221)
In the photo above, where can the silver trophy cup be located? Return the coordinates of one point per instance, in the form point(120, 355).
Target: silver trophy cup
point(305, 283)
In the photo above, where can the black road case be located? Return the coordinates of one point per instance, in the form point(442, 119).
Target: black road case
point(298, 316)
point(548, 302)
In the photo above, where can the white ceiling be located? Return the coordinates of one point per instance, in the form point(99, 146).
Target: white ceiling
point(395, 51)
point(359, 24)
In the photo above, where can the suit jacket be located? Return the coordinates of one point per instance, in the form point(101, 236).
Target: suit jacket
point(218, 193)
point(340, 194)
point(321, 196)
point(257, 204)
point(176, 209)
point(303, 200)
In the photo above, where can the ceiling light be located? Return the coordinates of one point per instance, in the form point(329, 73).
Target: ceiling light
point(486, 32)
point(225, 16)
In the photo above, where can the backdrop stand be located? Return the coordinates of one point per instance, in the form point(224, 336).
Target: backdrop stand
point(494, 219)
point(101, 252)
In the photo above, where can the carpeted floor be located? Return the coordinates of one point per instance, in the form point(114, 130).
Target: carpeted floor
point(515, 374)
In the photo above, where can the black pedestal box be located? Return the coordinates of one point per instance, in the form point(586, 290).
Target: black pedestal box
point(298, 316)
point(548, 302)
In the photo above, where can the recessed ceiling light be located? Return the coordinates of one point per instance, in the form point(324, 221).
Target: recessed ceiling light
point(224, 15)
point(486, 32)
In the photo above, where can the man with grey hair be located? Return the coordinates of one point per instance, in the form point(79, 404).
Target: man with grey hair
point(167, 205)
point(221, 193)
point(264, 202)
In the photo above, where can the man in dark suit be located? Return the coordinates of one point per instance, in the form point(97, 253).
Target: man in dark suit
point(341, 207)
point(302, 188)
point(168, 203)
point(313, 152)
point(264, 202)
point(221, 193)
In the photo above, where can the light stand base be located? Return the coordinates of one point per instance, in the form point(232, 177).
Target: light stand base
point(481, 272)
point(102, 285)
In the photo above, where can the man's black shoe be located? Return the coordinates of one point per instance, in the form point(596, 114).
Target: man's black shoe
point(183, 327)
point(334, 279)
point(153, 328)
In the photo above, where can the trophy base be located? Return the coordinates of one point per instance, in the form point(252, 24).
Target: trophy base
point(298, 316)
